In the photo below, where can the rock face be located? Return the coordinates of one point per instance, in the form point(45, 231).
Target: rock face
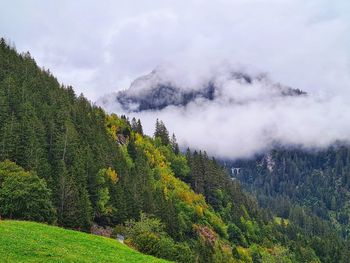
point(161, 96)
point(153, 92)
point(101, 231)
point(156, 91)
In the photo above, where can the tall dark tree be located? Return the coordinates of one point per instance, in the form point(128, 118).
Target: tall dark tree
point(161, 132)
point(139, 128)
point(136, 126)
point(174, 144)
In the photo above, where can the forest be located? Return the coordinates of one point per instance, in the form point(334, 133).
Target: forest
point(66, 162)
point(298, 184)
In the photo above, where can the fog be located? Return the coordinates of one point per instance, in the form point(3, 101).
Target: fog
point(245, 119)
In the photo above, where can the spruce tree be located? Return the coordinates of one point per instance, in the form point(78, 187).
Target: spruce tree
point(162, 133)
point(139, 128)
point(174, 144)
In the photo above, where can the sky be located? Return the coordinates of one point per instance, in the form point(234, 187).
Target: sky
point(100, 47)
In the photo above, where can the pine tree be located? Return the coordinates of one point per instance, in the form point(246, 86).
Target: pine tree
point(157, 131)
point(134, 124)
point(174, 144)
point(162, 133)
point(139, 127)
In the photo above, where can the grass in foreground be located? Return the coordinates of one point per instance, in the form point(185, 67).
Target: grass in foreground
point(33, 242)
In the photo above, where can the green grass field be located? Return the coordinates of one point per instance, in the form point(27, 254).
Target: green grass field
point(33, 242)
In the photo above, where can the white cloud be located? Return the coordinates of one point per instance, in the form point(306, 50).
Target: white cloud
point(240, 130)
point(305, 44)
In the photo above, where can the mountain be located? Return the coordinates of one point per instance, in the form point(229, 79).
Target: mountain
point(285, 180)
point(66, 162)
point(157, 90)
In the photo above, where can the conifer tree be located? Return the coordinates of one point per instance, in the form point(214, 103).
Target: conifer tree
point(162, 132)
point(139, 127)
point(134, 124)
point(174, 144)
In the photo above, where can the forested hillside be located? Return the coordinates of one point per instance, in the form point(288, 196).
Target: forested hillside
point(298, 183)
point(67, 162)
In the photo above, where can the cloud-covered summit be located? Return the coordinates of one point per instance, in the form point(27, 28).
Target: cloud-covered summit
point(239, 116)
point(159, 89)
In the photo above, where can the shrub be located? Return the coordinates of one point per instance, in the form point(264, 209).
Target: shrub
point(23, 195)
point(149, 237)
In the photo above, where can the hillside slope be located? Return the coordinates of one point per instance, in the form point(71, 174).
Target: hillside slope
point(286, 180)
point(33, 242)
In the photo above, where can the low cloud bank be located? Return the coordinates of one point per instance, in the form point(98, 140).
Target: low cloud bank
point(247, 118)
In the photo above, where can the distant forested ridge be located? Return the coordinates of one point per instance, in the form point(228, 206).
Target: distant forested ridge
point(74, 165)
point(295, 183)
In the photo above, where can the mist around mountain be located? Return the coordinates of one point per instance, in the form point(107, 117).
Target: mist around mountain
point(252, 112)
point(64, 161)
point(157, 90)
point(288, 148)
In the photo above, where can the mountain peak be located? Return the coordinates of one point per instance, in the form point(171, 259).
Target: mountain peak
point(158, 90)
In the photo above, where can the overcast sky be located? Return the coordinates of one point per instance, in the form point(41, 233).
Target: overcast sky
point(101, 46)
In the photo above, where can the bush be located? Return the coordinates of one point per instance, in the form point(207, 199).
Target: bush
point(23, 195)
point(149, 237)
